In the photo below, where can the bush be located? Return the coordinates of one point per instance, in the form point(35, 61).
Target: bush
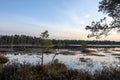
point(3, 59)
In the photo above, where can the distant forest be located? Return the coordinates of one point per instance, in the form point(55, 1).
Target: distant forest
point(23, 39)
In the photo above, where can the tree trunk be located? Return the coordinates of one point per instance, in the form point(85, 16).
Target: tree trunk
point(42, 58)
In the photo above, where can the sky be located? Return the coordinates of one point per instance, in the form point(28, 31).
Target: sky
point(64, 19)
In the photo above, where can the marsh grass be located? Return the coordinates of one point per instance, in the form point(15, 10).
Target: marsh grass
point(93, 54)
point(118, 57)
point(96, 55)
point(87, 51)
point(3, 59)
point(54, 71)
point(66, 53)
point(84, 59)
point(115, 54)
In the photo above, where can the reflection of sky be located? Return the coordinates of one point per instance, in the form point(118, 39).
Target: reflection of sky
point(62, 18)
point(72, 61)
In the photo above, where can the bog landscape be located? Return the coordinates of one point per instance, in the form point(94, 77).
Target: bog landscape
point(60, 40)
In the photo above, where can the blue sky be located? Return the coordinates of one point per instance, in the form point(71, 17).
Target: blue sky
point(64, 19)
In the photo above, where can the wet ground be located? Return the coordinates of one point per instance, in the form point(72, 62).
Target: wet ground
point(73, 59)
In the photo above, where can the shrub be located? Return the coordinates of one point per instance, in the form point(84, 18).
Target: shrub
point(3, 59)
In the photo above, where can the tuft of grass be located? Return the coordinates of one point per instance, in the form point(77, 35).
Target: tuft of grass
point(84, 59)
point(118, 57)
point(87, 50)
point(96, 55)
point(115, 54)
point(3, 59)
point(67, 53)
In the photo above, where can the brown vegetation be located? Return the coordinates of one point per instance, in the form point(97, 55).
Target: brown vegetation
point(84, 59)
point(55, 71)
point(3, 59)
point(87, 51)
point(115, 54)
point(92, 54)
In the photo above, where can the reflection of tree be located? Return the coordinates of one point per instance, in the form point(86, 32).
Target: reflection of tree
point(83, 45)
point(112, 9)
point(59, 45)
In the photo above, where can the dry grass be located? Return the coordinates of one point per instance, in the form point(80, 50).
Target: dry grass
point(96, 55)
point(118, 57)
point(87, 51)
point(55, 71)
point(3, 59)
point(107, 52)
point(115, 54)
point(66, 53)
point(116, 50)
point(84, 59)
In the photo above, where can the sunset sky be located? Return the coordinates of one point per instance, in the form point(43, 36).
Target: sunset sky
point(64, 19)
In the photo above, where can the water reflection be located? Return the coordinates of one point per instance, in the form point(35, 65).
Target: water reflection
point(78, 61)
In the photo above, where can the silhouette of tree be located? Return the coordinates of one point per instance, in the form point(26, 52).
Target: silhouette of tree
point(99, 28)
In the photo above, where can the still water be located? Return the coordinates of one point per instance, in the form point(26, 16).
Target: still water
point(97, 61)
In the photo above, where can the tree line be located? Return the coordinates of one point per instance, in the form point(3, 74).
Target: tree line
point(24, 39)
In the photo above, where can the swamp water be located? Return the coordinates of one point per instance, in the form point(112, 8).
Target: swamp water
point(89, 62)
